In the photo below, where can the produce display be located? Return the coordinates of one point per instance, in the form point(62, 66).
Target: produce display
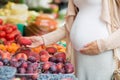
point(55, 62)
point(31, 62)
point(20, 62)
point(8, 32)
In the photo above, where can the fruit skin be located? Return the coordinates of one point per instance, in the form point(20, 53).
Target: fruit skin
point(21, 55)
point(14, 27)
point(32, 59)
point(60, 59)
point(2, 34)
point(30, 70)
point(24, 50)
point(69, 68)
point(24, 41)
point(62, 71)
point(44, 58)
point(59, 66)
point(1, 27)
point(51, 50)
point(1, 21)
point(43, 52)
point(21, 70)
point(34, 54)
point(10, 37)
point(53, 59)
point(6, 55)
point(24, 65)
point(53, 68)
point(8, 30)
point(46, 65)
point(60, 54)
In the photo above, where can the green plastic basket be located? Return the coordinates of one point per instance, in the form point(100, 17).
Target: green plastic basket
point(21, 28)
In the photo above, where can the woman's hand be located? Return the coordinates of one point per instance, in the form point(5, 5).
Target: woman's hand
point(90, 49)
point(36, 41)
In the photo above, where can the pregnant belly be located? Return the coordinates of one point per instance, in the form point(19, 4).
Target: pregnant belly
point(86, 29)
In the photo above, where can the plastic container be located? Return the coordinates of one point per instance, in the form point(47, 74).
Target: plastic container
point(21, 28)
point(57, 77)
point(7, 73)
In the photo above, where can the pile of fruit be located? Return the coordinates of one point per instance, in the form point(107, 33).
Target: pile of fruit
point(29, 62)
point(23, 64)
point(55, 62)
point(8, 32)
point(11, 48)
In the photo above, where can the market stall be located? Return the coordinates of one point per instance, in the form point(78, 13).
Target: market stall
point(40, 63)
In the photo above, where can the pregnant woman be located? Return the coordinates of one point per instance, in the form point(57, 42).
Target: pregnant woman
point(92, 26)
point(86, 28)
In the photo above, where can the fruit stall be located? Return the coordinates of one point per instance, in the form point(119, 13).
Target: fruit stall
point(20, 62)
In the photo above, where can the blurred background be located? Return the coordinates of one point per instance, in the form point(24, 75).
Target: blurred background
point(31, 13)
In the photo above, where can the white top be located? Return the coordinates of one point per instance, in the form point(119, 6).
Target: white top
point(87, 26)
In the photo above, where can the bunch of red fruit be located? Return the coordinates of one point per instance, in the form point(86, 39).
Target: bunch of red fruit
point(8, 32)
point(29, 66)
point(55, 62)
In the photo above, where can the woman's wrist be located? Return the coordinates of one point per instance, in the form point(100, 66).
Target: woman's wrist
point(43, 41)
point(101, 45)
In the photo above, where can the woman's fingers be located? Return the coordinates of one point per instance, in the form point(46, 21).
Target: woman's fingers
point(90, 49)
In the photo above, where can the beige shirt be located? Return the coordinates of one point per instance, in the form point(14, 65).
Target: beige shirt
point(110, 14)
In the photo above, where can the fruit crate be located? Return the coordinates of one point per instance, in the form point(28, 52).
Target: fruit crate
point(57, 77)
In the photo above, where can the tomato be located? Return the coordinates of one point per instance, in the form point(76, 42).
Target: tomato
point(1, 21)
point(4, 27)
point(14, 27)
point(8, 24)
point(10, 36)
point(2, 34)
point(8, 30)
point(1, 27)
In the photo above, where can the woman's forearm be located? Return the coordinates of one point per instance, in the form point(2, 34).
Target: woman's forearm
point(54, 36)
point(112, 42)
